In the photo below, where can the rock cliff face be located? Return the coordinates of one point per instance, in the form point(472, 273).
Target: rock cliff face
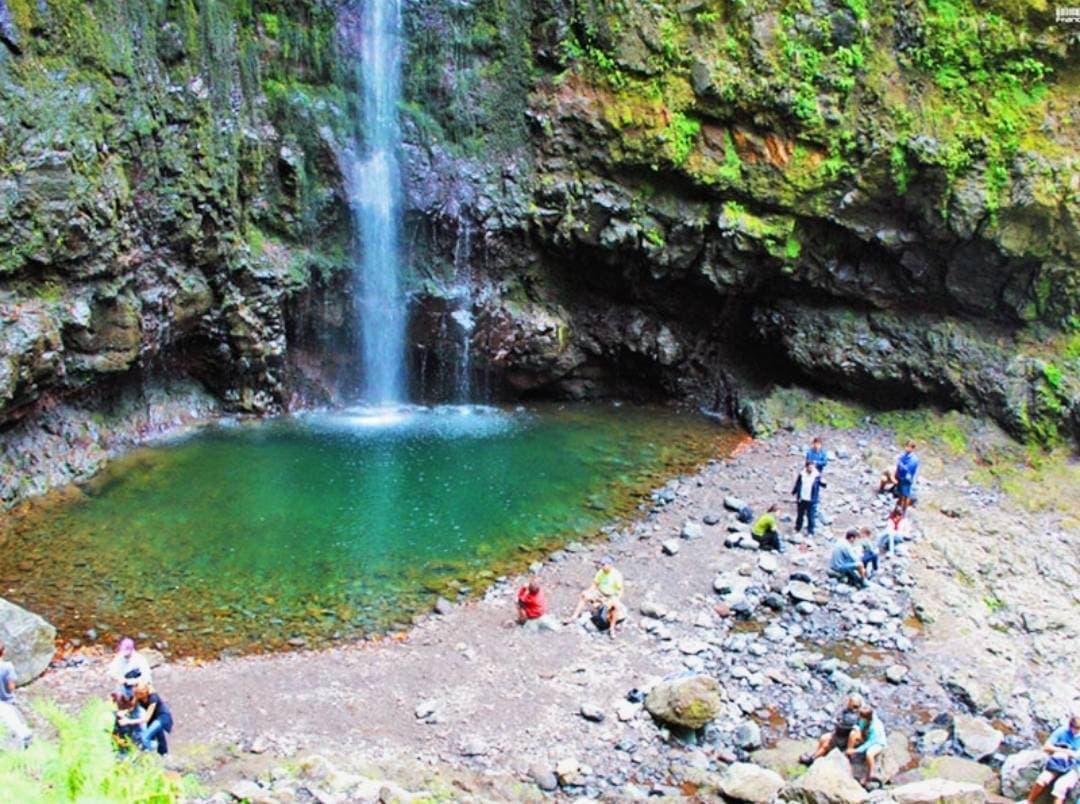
point(673, 199)
point(699, 198)
point(169, 193)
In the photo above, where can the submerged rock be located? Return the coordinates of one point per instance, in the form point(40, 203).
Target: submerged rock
point(29, 639)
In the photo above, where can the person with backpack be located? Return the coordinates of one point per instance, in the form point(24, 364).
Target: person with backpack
point(603, 598)
point(807, 493)
point(1062, 769)
point(907, 466)
point(845, 735)
point(154, 720)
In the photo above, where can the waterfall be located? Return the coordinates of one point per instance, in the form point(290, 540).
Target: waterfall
point(374, 178)
point(462, 316)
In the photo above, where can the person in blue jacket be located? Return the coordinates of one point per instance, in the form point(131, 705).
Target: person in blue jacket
point(816, 455)
point(807, 493)
point(907, 466)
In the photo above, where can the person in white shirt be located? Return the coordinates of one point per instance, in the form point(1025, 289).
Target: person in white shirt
point(11, 719)
point(129, 667)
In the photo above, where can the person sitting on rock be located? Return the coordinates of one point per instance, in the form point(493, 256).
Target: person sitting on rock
point(11, 719)
point(816, 455)
point(871, 741)
point(844, 564)
point(153, 720)
point(603, 597)
point(897, 531)
point(870, 559)
point(807, 493)
point(845, 735)
point(129, 667)
point(765, 533)
point(1062, 770)
point(532, 607)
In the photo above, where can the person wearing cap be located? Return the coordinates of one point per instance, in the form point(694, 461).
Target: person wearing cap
point(11, 719)
point(604, 594)
point(845, 734)
point(128, 667)
point(845, 564)
point(1062, 770)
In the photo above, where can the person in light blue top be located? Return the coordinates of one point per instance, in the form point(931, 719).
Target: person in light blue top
point(816, 455)
point(871, 741)
point(1062, 770)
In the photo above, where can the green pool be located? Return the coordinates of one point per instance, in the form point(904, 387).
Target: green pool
point(327, 526)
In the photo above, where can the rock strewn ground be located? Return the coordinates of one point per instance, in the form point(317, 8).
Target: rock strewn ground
point(468, 707)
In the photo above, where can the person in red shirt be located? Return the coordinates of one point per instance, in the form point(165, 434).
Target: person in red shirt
point(531, 602)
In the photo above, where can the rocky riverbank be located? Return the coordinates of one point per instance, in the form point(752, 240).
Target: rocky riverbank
point(957, 643)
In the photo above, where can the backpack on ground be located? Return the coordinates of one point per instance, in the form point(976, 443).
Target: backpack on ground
point(745, 515)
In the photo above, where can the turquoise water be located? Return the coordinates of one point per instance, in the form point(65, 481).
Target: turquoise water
point(328, 526)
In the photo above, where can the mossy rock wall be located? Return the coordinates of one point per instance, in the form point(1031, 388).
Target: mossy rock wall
point(688, 166)
point(168, 186)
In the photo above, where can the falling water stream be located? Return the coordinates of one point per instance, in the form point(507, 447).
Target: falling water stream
point(374, 177)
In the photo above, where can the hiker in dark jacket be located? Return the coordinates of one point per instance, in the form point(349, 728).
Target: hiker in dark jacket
point(807, 493)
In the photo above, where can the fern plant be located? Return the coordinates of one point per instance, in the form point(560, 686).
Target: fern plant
point(81, 764)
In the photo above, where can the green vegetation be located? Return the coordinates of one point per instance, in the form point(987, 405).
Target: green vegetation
point(80, 764)
point(987, 83)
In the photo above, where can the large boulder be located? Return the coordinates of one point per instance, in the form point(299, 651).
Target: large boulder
point(829, 781)
point(30, 641)
point(744, 781)
point(690, 701)
point(783, 757)
point(958, 769)
point(939, 791)
point(1019, 771)
point(976, 736)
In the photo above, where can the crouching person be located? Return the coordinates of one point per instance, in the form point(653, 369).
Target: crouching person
point(11, 719)
point(532, 610)
point(1062, 770)
point(152, 722)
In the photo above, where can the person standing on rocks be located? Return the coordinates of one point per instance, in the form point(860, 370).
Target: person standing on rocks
point(817, 455)
point(845, 734)
point(129, 667)
point(807, 493)
point(1062, 770)
point(765, 533)
point(907, 466)
point(605, 593)
point(11, 719)
point(845, 564)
